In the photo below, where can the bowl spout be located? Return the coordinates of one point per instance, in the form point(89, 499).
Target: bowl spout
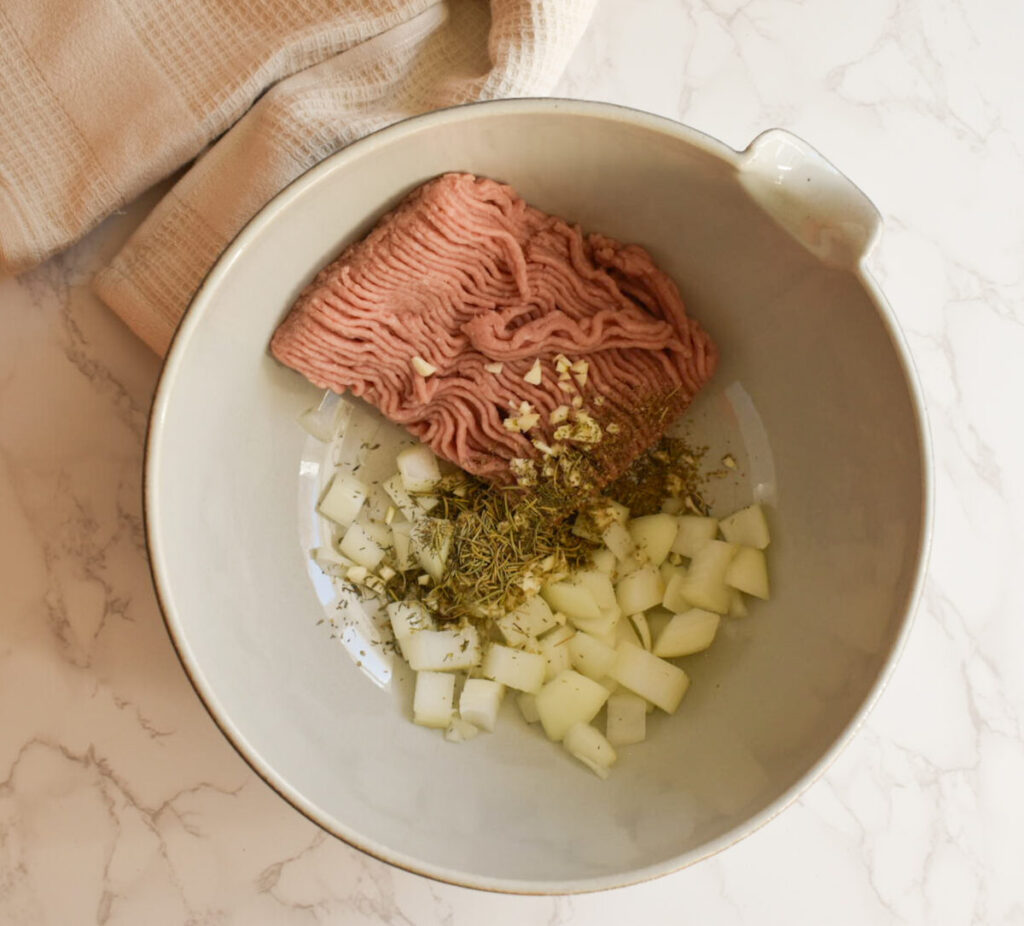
point(809, 198)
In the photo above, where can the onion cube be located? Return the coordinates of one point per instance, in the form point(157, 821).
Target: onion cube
point(479, 702)
point(703, 586)
point(395, 489)
point(514, 668)
point(693, 533)
point(654, 679)
point(602, 626)
point(443, 650)
point(530, 619)
point(673, 599)
point(527, 704)
point(554, 647)
point(321, 421)
point(331, 561)
point(433, 699)
point(748, 572)
point(606, 511)
point(598, 584)
point(418, 468)
point(689, 632)
point(360, 547)
point(654, 535)
point(343, 499)
point(626, 722)
point(569, 698)
point(590, 657)
point(407, 618)
point(401, 540)
point(746, 528)
point(616, 537)
point(625, 567)
point(587, 744)
point(604, 561)
point(573, 600)
point(640, 590)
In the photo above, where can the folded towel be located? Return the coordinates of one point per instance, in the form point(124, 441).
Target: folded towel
point(100, 99)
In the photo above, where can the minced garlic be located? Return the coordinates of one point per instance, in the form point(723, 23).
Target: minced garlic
point(423, 367)
point(559, 414)
point(524, 470)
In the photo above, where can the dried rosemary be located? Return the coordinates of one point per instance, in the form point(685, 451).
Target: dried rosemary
point(505, 544)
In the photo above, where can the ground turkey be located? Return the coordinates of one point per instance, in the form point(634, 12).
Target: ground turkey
point(463, 276)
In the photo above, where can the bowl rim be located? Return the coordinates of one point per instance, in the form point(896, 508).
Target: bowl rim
point(161, 580)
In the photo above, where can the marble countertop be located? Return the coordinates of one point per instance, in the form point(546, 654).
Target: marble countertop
point(121, 803)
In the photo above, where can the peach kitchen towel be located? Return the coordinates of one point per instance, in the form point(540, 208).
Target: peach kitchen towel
point(100, 99)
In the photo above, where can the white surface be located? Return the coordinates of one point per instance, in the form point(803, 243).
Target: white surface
point(121, 803)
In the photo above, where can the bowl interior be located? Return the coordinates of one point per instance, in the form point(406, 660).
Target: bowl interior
point(842, 470)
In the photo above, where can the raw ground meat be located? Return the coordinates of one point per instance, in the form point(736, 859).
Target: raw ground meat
point(463, 274)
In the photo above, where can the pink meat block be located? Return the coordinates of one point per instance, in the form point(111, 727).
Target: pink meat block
point(464, 273)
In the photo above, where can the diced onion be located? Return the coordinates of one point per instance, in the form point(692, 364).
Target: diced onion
point(480, 701)
point(590, 657)
point(418, 469)
point(360, 547)
point(693, 533)
point(654, 679)
point(554, 648)
point(588, 745)
point(442, 650)
point(640, 590)
point(626, 719)
point(746, 528)
point(530, 619)
point(569, 698)
point(527, 704)
point(653, 535)
point(433, 699)
point(687, 633)
point(343, 499)
point(572, 599)
point(748, 572)
point(514, 668)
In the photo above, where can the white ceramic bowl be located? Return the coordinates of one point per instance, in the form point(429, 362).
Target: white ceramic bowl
point(815, 384)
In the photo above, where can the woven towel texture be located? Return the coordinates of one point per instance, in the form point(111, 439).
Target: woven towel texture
point(100, 99)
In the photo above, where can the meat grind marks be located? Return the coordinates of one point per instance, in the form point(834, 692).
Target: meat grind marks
point(440, 314)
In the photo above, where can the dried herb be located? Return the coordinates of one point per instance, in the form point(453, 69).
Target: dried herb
point(505, 544)
point(671, 468)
